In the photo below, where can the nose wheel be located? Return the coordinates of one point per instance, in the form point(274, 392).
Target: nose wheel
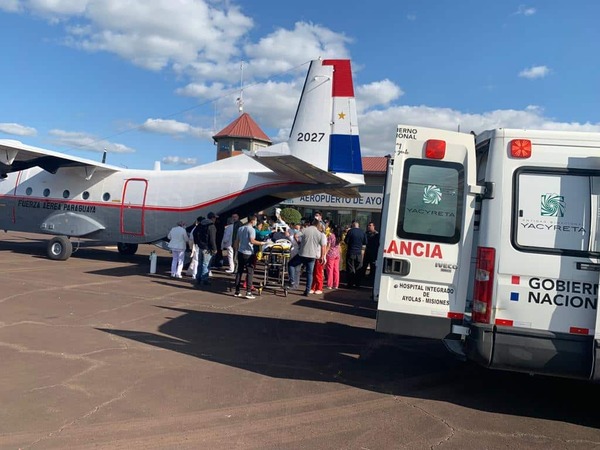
point(59, 248)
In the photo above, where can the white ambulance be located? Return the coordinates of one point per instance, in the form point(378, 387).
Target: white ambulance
point(491, 243)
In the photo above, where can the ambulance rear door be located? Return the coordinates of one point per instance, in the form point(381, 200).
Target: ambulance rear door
point(427, 233)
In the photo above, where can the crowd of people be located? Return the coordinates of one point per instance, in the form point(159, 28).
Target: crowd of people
point(318, 248)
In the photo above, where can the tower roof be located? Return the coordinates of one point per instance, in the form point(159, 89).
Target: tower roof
point(244, 127)
point(374, 164)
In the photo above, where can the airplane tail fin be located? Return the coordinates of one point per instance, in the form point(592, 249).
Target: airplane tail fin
point(324, 134)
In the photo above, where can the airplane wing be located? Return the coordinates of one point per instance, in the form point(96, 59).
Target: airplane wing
point(16, 156)
point(298, 170)
point(279, 159)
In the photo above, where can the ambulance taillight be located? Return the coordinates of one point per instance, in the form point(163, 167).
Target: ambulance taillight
point(484, 285)
point(435, 149)
point(520, 148)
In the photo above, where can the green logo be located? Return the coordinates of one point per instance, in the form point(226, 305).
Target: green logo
point(552, 205)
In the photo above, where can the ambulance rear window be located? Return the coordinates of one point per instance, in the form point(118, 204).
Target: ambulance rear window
point(431, 204)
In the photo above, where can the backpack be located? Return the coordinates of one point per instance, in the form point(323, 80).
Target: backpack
point(201, 236)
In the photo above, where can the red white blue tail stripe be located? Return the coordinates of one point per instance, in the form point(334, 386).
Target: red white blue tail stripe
point(344, 143)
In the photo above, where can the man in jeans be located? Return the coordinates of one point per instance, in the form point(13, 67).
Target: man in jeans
point(356, 241)
point(245, 242)
point(312, 246)
point(370, 258)
point(205, 236)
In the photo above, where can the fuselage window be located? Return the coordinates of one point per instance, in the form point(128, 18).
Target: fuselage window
point(85, 195)
point(106, 197)
point(46, 192)
point(66, 193)
point(29, 191)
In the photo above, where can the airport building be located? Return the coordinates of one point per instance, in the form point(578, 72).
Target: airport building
point(244, 134)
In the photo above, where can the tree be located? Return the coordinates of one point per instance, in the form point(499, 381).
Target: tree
point(291, 215)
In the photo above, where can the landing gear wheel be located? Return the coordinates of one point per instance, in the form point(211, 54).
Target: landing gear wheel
point(126, 249)
point(60, 248)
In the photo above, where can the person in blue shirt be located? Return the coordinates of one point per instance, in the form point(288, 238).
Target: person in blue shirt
point(246, 258)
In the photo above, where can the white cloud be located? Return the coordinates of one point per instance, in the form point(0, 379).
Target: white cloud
point(178, 160)
point(534, 72)
point(377, 93)
point(10, 6)
point(150, 34)
point(525, 10)
point(175, 128)
point(84, 141)
point(285, 49)
point(203, 41)
point(204, 90)
point(377, 128)
point(271, 104)
point(16, 129)
point(56, 8)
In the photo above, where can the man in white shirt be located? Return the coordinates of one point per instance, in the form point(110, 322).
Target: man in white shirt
point(178, 242)
point(227, 244)
point(312, 247)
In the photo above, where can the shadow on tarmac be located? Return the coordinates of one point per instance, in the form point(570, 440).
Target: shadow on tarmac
point(82, 249)
point(339, 353)
point(362, 358)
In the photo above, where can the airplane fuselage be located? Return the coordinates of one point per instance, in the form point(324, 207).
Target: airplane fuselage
point(67, 196)
point(131, 206)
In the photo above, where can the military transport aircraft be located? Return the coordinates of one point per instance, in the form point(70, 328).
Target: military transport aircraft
point(68, 197)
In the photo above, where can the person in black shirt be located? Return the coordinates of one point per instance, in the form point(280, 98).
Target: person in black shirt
point(356, 242)
point(370, 259)
point(205, 237)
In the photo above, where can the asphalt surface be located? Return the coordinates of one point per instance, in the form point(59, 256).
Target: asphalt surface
point(97, 353)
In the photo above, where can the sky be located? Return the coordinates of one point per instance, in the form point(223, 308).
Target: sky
point(154, 80)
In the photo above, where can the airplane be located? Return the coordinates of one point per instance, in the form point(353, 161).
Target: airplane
point(43, 191)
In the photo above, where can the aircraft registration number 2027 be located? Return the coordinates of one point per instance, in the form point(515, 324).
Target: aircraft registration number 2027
point(310, 137)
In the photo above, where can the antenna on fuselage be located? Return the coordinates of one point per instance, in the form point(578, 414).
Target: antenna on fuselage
point(104, 156)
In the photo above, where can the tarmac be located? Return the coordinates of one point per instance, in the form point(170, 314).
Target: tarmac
point(96, 352)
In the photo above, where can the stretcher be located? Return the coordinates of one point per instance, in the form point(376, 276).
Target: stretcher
point(275, 257)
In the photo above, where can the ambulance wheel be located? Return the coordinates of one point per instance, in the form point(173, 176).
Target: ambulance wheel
point(60, 248)
point(126, 249)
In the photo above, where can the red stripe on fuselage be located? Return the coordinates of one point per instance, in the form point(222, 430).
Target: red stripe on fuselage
point(14, 210)
point(118, 204)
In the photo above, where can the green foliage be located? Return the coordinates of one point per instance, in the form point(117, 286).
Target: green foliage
point(291, 215)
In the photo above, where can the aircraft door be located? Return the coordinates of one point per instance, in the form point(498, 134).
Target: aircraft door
point(133, 206)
